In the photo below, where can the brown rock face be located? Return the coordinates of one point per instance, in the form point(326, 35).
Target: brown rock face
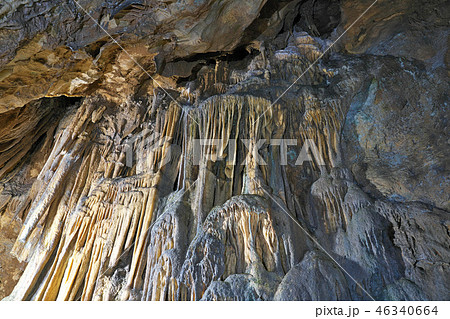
point(224, 150)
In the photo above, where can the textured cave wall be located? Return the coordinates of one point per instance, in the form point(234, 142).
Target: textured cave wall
point(81, 220)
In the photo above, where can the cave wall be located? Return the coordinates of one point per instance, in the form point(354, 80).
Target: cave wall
point(106, 194)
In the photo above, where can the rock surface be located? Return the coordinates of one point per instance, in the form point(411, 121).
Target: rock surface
point(106, 192)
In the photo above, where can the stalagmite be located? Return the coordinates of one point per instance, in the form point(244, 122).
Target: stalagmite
point(223, 150)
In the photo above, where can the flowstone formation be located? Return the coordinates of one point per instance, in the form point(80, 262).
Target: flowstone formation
point(224, 150)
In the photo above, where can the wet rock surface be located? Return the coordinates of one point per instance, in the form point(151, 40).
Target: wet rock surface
point(106, 194)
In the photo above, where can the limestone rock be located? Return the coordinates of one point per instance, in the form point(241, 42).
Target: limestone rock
point(224, 150)
point(314, 278)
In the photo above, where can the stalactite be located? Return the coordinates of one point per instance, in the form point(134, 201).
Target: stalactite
point(177, 187)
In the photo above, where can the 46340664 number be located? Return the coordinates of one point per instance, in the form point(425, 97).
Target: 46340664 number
point(407, 310)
